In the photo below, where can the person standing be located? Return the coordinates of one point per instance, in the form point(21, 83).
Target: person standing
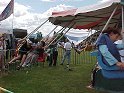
point(52, 51)
point(53, 54)
point(67, 54)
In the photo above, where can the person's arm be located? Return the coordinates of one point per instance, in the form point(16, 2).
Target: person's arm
point(107, 55)
point(109, 58)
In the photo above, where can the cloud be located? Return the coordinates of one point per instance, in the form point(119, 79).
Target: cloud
point(101, 1)
point(3, 3)
point(48, 0)
point(18, 10)
point(24, 19)
point(60, 0)
point(60, 7)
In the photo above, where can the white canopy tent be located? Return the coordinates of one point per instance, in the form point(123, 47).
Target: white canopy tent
point(95, 16)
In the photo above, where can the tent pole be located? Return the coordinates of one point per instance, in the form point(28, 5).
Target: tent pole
point(108, 22)
point(35, 29)
point(62, 31)
point(49, 33)
point(109, 18)
point(56, 37)
point(85, 39)
point(30, 34)
point(52, 31)
point(122, 32)
point(60, 37)
point(65, 32)
point(65, 27)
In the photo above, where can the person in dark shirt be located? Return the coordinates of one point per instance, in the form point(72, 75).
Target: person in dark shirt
point(22, 53)
point(53, 54)
point(34, 54)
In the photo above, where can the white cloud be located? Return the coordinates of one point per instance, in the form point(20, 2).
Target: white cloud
point(101, 1)
point(60, 0)
point(3, 4)
point(24, 19)
point(60, 7)
point(47, 0)
point(20, 10)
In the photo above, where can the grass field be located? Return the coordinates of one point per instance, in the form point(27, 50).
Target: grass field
point(39, 79)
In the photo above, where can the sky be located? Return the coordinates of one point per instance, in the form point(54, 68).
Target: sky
point(29, 14)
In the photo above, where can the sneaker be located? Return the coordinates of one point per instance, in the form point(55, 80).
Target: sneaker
point(67, 65)
point(90, 87)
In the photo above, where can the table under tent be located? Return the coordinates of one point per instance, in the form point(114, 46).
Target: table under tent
point(97, 17)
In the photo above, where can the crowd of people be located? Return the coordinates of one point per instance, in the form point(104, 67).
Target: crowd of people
point(109, 45)
point(28, 53)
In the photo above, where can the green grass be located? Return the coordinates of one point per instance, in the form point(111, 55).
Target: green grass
point(49, 80)
point(39, 79)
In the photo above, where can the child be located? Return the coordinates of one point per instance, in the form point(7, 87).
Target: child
point(24, 49)
point(33, 55)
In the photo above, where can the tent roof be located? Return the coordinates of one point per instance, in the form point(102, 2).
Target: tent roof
point(94, 16)
point(96, 6)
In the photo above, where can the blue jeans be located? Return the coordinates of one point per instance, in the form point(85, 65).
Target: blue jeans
point(67, 55)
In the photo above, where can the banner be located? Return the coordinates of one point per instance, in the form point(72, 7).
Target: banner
point(7, 11)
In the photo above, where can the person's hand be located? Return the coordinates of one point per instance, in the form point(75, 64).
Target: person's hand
point(120, 65)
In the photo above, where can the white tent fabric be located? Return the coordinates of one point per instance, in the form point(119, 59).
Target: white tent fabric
point(75, 40)
point(64, 13)
point(77, 36)
point(94, 16)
